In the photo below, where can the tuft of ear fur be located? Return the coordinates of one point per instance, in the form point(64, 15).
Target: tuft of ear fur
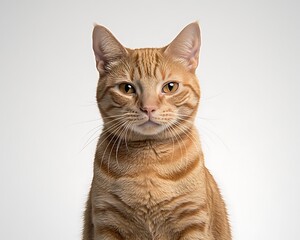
point(185, 47)
point(107, 49)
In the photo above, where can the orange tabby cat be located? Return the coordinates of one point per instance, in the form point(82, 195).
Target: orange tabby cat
point(150, 182)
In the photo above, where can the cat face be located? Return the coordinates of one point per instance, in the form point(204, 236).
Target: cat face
point(147, 93)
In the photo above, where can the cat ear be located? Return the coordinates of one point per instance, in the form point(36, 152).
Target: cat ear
point(107, 49)
point(185, 47)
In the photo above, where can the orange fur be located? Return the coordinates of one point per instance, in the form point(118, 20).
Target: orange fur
point(150, 181)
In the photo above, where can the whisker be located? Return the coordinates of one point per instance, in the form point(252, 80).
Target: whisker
point(92, 139)
point(124, 130)
point(127, 129)
point(109, 130)
point(115, 133)
point(85, 122)
point(170, 131)
point(126, 114)
point(188, 116)
point(117, 139)
point(207, 130)
point(185, 129)
point(177, 140)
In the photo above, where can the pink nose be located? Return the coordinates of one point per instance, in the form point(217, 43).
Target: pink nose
point(148, 109)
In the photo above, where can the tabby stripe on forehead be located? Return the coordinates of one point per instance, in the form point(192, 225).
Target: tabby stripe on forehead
point(156, 65)
point(137, 65)
point(151, 63)
point(146, 62)
point(131, 73)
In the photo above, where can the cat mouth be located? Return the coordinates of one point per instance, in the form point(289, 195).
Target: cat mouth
point(149, 128)
point(149, 123)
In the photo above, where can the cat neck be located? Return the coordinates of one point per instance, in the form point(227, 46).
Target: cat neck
point(148, 150)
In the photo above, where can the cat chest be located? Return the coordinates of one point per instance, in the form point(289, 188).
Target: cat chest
point(150, 187)
point(149, 204)
point(154, 199)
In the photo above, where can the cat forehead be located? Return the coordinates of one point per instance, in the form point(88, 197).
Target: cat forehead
point(146, 57)
point(147, 63)
point(146, 52)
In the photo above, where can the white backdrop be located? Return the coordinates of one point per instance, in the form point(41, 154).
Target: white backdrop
point(248, 118)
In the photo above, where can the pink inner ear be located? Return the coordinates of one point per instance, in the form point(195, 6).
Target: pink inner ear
point(106, 47)
point(100, 65)
point(194, 55)
point(186, 46)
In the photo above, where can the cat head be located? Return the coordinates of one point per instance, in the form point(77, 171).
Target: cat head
point(147, 93)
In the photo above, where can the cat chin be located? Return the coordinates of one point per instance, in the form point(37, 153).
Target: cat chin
point(149, 128)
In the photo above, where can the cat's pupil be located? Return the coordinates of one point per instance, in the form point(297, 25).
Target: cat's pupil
point(170, 86)
point(128, 87)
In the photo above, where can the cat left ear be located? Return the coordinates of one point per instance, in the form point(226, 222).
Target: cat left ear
point(185, 47)
point(108, 51)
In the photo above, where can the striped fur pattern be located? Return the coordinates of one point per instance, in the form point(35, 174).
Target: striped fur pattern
point(150, 182)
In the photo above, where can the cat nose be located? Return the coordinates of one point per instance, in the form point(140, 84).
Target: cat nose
point(148, 109)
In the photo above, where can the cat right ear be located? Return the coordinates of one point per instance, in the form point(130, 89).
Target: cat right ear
point(107, 49)
point(185, 47)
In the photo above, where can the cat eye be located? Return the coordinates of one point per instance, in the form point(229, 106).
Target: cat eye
point(170, 87)
point(126, 88)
